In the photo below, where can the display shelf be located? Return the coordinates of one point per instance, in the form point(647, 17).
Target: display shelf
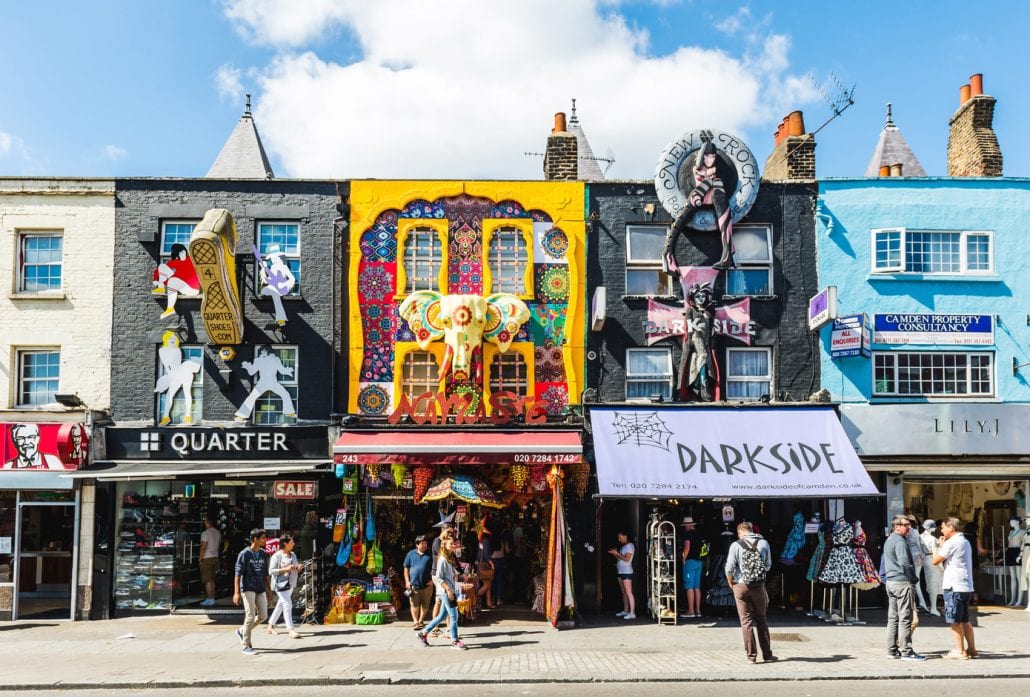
point(152, 556)
point(661, 570)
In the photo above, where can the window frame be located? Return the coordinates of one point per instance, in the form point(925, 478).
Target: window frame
point(768, 378)
point(402, 350)
point(903, 264)
point(295, 256)
point(166, 255)
point(20, 380)
point(21, 237)
point(405, 226)
point(895, 394)
point(632, 377)
point(527, 350)
point(197, 391)
point(749, 265)
point(491, 227)
point(287, 382)
point(645, 265)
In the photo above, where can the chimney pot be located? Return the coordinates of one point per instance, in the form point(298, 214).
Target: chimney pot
point(885, 170)
point(778, 136)
point(896, 169)
point(796, 123)
point(559, 123)
point(976, 85)
point(963, 94)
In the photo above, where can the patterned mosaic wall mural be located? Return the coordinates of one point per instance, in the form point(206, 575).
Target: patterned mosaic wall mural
point(460, 220)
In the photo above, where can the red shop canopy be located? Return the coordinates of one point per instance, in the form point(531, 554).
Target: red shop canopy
point(458, 448)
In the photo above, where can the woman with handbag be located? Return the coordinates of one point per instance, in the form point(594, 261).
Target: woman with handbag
point(447, 589)
point(283, 569)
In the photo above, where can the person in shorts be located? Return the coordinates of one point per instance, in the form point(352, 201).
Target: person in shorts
point(210, 543)
point(956, 555)
point(691, 557)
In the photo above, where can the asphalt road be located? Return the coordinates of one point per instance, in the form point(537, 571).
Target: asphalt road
point(954, 687)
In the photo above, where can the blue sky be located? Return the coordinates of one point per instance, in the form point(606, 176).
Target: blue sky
point(462, 88)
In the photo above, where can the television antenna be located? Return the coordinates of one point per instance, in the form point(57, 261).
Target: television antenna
point(842, 97)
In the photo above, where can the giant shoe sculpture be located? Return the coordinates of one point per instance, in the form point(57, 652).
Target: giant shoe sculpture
point(213, 250)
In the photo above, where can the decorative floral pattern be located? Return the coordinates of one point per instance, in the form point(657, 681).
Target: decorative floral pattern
point(375, 282)
point(550, 364)
point(508, 209)
point(404, 332)
point(466, 243)
point(553, 397)
point(373, 400)
point(552, 283)
point(423, 209)
point(546, 323)
point(377, 365)
point(555, 242)
point(379, 242)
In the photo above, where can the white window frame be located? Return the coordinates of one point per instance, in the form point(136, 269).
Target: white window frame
point(648, 266)
point(263, 415)
point(197, 391)
point(893, 355)
point(23, 237)
point(767, 378)
point(288, 256)
point(23, 380)
point(665, 378)
point(902, 266)
point(166, 254)
point(753, 265)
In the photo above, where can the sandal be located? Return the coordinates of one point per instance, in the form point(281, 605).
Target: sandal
point(435, 633)
point(272, 630)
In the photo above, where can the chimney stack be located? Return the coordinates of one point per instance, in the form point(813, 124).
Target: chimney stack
point(973, 149)
point(561, 158)
point(793, 157)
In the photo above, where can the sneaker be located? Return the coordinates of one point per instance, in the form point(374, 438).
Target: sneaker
point(770, 659)
point(459, 645)
point(208, 603)
point(422, 637)
point(249, 651)
point(957, 655)
point(913, 657)
point(239, 635)
point(621, 614)
point(893, 654)
point(213, 251)
point(630, 616)
point(294, 634)
point(972, 654)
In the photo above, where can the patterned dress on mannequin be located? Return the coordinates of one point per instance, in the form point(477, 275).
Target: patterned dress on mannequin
point(795, 540)
point(815, 566)
point(841, 565)
point(871, 576)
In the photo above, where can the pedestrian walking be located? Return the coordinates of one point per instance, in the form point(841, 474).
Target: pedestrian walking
point(899, 577)
point(283, 568)
point(956, 556)
point(418, 581)
point(447, 590)
point(251, 585)
point(624, 569)
point(747, 566)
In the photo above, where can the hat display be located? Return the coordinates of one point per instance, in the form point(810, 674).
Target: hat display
point(687, 521)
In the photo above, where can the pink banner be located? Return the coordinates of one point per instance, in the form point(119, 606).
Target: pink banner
point(664, 321)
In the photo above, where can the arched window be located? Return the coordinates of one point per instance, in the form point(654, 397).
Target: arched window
point(419, 374)
point(423, 256)
point(508, 259)
point(509, 372)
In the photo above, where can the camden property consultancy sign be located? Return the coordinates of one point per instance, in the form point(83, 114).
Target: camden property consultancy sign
point(740, 453)
point(964, 330)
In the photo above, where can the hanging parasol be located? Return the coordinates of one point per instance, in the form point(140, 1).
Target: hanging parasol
point(464, 487)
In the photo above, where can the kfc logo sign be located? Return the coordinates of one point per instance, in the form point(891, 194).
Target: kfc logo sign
point(294, 490)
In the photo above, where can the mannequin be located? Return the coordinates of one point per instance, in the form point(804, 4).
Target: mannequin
point(1013, 554)
point(934, 574)
point(915, 546)
point(1025, 578)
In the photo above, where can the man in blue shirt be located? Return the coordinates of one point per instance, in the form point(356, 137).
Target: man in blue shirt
point(418, 581)
point(251, 584)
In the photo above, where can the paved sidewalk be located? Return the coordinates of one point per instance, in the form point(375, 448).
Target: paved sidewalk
point(184, 651)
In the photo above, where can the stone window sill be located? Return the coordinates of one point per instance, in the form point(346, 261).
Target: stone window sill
point(931, 277)
point(37, 296)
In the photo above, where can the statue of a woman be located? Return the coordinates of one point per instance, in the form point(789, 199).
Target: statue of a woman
point(697, 368)
point(708, 190)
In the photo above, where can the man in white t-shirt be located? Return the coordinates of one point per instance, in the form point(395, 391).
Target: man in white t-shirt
point(956, 555)
point(210, 543)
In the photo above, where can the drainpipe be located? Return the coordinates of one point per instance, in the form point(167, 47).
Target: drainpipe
point(824, 217)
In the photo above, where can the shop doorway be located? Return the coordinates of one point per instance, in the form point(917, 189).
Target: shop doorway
point(45, 576)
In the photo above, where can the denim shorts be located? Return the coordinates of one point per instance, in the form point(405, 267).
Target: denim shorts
point(692, 574)
point(625, 577)
point(956, 606)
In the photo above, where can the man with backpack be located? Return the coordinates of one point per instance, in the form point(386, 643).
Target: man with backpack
point(747, 566)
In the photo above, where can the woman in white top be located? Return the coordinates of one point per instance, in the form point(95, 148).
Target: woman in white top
point(624, 569)
point(283, 569)
point(447, 590)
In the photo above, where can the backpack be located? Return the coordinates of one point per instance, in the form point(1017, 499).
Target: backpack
point(752, 568)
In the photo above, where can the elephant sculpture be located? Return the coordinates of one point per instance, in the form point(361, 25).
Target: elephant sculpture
point(463, 322)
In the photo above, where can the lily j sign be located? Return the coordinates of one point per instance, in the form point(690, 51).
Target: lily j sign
point(739, 453)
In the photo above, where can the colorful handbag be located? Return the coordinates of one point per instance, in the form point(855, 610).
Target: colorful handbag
point(343, 553)
point(370, 522)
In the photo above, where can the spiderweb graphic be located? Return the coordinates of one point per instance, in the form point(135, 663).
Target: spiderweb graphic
point(641, 429)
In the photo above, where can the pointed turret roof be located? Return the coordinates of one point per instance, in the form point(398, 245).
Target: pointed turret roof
point(587, 167)
point(242, 156)
point(892, 149)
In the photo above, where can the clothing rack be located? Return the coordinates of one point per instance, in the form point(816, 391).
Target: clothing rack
point(661, 570)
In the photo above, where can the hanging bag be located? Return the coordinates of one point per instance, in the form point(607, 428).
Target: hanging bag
point(375, 560)
point(343, 553)
point(370, 521)
point(357, 550)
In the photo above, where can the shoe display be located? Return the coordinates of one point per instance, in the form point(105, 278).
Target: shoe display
point(213, 251)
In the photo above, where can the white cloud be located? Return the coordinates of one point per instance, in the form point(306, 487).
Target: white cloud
point(6, 141)
point(735, 22)
point(462, 88)
point(227, 82)
point(113, 152)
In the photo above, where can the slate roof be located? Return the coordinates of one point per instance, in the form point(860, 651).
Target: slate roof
point(891, 149)
point(242, 156)
point(587, 166)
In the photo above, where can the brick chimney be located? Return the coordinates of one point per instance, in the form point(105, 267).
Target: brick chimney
point(561, 156)
point(972, 144)
point(793, 156)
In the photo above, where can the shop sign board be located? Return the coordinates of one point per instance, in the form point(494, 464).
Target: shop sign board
point(822, 308)
point(465, 408)
point(31, 447)
point(851, 336)
point(937, 429)
point(732, 321)
point(295, 490)
point(240, 443)
point(718, 452)
point(917, 328)
point(271, 523)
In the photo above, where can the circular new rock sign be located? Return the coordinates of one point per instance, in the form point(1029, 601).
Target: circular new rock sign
point(735, 165)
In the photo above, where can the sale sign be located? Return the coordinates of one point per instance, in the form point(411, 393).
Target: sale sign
point(294, 490)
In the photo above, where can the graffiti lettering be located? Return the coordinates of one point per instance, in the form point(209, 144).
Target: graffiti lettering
point(438, 408)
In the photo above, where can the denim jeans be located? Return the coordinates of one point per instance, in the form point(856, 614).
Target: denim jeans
point(284, 607)
point(447, 608)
